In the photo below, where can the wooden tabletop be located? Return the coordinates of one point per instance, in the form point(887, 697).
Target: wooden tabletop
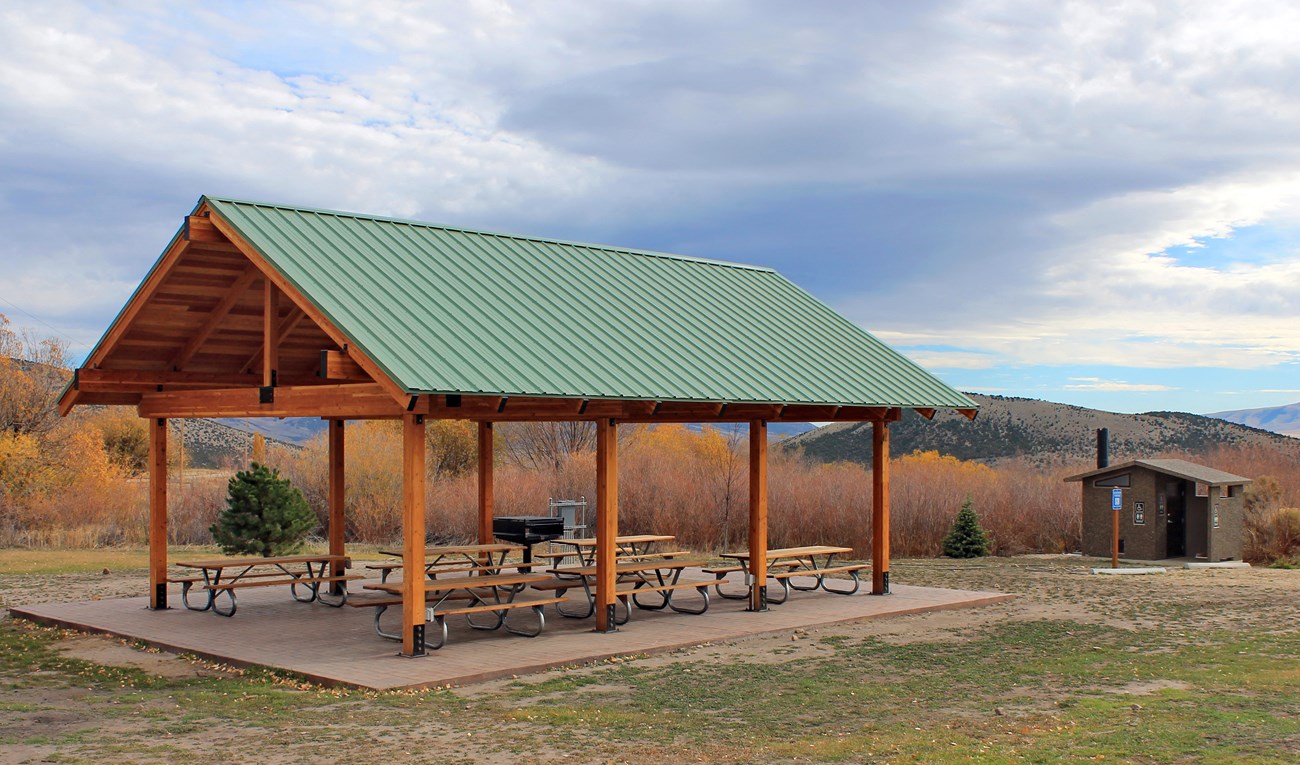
point(466, 582)
point(633, 567)
point(284, 560)
point(431, 552)
point(793, 552)
point(632, 539)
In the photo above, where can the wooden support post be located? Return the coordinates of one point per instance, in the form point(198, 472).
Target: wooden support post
point(270, 333)
point(606, 522)
point(157, 513)
point(336, 497)
point(413, 535)
point(758, 514)
point(880, 507)
point(485, 483)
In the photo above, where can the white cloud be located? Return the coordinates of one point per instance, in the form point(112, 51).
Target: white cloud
point(995, 178)
point(1098, 384)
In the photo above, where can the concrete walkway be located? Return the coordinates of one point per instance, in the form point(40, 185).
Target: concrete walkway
point(338, 646)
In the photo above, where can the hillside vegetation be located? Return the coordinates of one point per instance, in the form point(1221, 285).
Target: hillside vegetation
point(1043, 433)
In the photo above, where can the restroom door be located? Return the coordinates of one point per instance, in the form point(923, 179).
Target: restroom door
point(1176, 519)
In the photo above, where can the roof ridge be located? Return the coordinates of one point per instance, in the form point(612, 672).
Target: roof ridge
point(484, 232)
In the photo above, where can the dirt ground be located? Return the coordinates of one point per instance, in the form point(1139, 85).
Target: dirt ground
point(1179, 603)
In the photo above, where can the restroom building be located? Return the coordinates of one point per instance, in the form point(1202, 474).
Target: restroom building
point(1168, 508)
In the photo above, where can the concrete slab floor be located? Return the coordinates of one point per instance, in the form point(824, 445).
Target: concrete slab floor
point(338, 646)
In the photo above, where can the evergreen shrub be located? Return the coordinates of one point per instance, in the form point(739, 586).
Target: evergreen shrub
point(966, 539)
point(265, 515)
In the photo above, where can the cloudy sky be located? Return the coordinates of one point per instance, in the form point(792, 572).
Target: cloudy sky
point(1093, 203)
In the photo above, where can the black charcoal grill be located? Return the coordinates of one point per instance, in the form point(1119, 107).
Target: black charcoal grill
point(527, 530)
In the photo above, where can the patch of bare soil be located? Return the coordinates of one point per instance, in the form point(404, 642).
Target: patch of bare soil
point(112, 652)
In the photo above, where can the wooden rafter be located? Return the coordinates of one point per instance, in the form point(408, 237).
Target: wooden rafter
point(219, 313)
point(287, 325)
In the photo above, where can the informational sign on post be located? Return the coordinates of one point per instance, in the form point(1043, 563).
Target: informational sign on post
point(1116, 504)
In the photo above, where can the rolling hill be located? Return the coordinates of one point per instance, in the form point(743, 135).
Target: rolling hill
point(213, 444)
point(1040, 431)
point(1279, 419)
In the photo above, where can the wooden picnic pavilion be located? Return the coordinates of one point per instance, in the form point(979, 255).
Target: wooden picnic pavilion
point(260, 310)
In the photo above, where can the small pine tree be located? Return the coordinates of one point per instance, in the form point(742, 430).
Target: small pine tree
point(265, 515)
point(966, 539)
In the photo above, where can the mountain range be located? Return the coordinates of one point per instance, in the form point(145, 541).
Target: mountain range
point(1040, 431)
point(1279, 419)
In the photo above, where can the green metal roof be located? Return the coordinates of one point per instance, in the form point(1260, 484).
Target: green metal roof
point(446, 310)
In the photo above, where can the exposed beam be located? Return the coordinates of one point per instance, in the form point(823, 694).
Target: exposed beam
point(220, 312)
point(107, 399)
point(287, 325)
point(754, 411)
point(338, 366)
point(199, 228)
point(142, 380)
point(810, 413)
point(70, 397)
point(270, 332)
point(338, 401)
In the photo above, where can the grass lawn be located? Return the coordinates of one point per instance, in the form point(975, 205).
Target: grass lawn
point(1189, 667)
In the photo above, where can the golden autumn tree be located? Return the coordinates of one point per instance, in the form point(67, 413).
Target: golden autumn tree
point(258, 454)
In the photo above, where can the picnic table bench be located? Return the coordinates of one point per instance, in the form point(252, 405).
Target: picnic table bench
point(634, 578)
point(494, 594)
point(224, 576)
point(816, 561)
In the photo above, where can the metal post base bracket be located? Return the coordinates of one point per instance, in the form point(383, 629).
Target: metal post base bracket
point(611, 619)
point(884, 584)
point(417, 640)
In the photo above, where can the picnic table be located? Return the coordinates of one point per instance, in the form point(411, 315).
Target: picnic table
point(444, 559)
point(490, 593)
point(224, 576)
point(630, 545)
point(634, 578)
point(816, 561)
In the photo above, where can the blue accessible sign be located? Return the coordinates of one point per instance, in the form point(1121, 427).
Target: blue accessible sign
point(1116, 499)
